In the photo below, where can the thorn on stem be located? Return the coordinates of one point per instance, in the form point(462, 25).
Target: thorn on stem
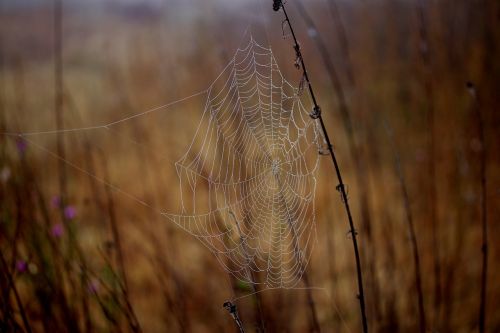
point(285, 35)
point(301, 85)
point(277, 5)
point(230, 307)
point(324, 151)
point(344, 192)
point(298, 56)
point(471, 88)
point(316, 113)
point(352, 232)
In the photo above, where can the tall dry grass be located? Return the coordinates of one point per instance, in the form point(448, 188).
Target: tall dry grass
point(85, 257)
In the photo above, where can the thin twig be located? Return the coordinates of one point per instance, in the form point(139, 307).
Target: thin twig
point(134, 322)
point(342, 39)
point(411, 229)
point(59, 119)
point(316, 114)
point(24, 317)
point(431, 146)
point(59, 102)
point(250, 273)
point(484, 213)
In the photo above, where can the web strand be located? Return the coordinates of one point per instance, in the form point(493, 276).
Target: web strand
point(247, 179)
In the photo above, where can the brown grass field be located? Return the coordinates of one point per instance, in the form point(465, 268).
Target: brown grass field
point(410, 95)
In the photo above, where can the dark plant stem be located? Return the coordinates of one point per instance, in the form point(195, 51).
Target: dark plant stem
point(233, 311)
point(484, 212)
point(316, 114)
point(131, 316)
point(8, 274)
point(342, 39)
point(251, 276)
point(59, 118)
point(59, 101)
point(110, 204)
point(83, 278)
point(59, 261)
point(411, 231)
point(345, 112)
point(3, 112)
point(429, 95)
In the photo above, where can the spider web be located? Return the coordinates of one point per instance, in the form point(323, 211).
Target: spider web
point(247, 179)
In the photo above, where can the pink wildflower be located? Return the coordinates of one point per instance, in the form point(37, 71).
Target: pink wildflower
point(21, 266)
point(57, 230)
point(70, 212)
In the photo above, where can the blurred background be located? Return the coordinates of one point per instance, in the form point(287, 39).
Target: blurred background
point(409, 93)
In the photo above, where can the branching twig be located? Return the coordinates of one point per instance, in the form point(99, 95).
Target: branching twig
point(347, 116)
point(316, 114)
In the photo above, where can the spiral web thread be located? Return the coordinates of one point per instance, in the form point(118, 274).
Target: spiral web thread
point(248, 178)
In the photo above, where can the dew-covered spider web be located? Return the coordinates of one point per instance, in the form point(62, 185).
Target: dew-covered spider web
point(256, 170)
point(247, 179)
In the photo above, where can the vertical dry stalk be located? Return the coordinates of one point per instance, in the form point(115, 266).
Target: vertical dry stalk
point(95, 194)
point(431, 146)
point(331, 267)
point(59, 118)
point(342, 38)
point(133, 321)
point(176, 298)
point(59, 101)
point(12, 285)
point(3, 122)
point(259, 314)
point(484, 212)
point(59, 265)
point(58, 110)
point(110, 204)
point(411, 230)
point(251, 276)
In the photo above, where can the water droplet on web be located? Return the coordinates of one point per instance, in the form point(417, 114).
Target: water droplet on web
point(275, 166)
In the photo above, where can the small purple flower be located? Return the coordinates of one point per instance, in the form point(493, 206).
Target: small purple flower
point(21, 266)
point(55, 201)
point(70, 212)
point(21, 145)
point(57, 230)
point(93, 286)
